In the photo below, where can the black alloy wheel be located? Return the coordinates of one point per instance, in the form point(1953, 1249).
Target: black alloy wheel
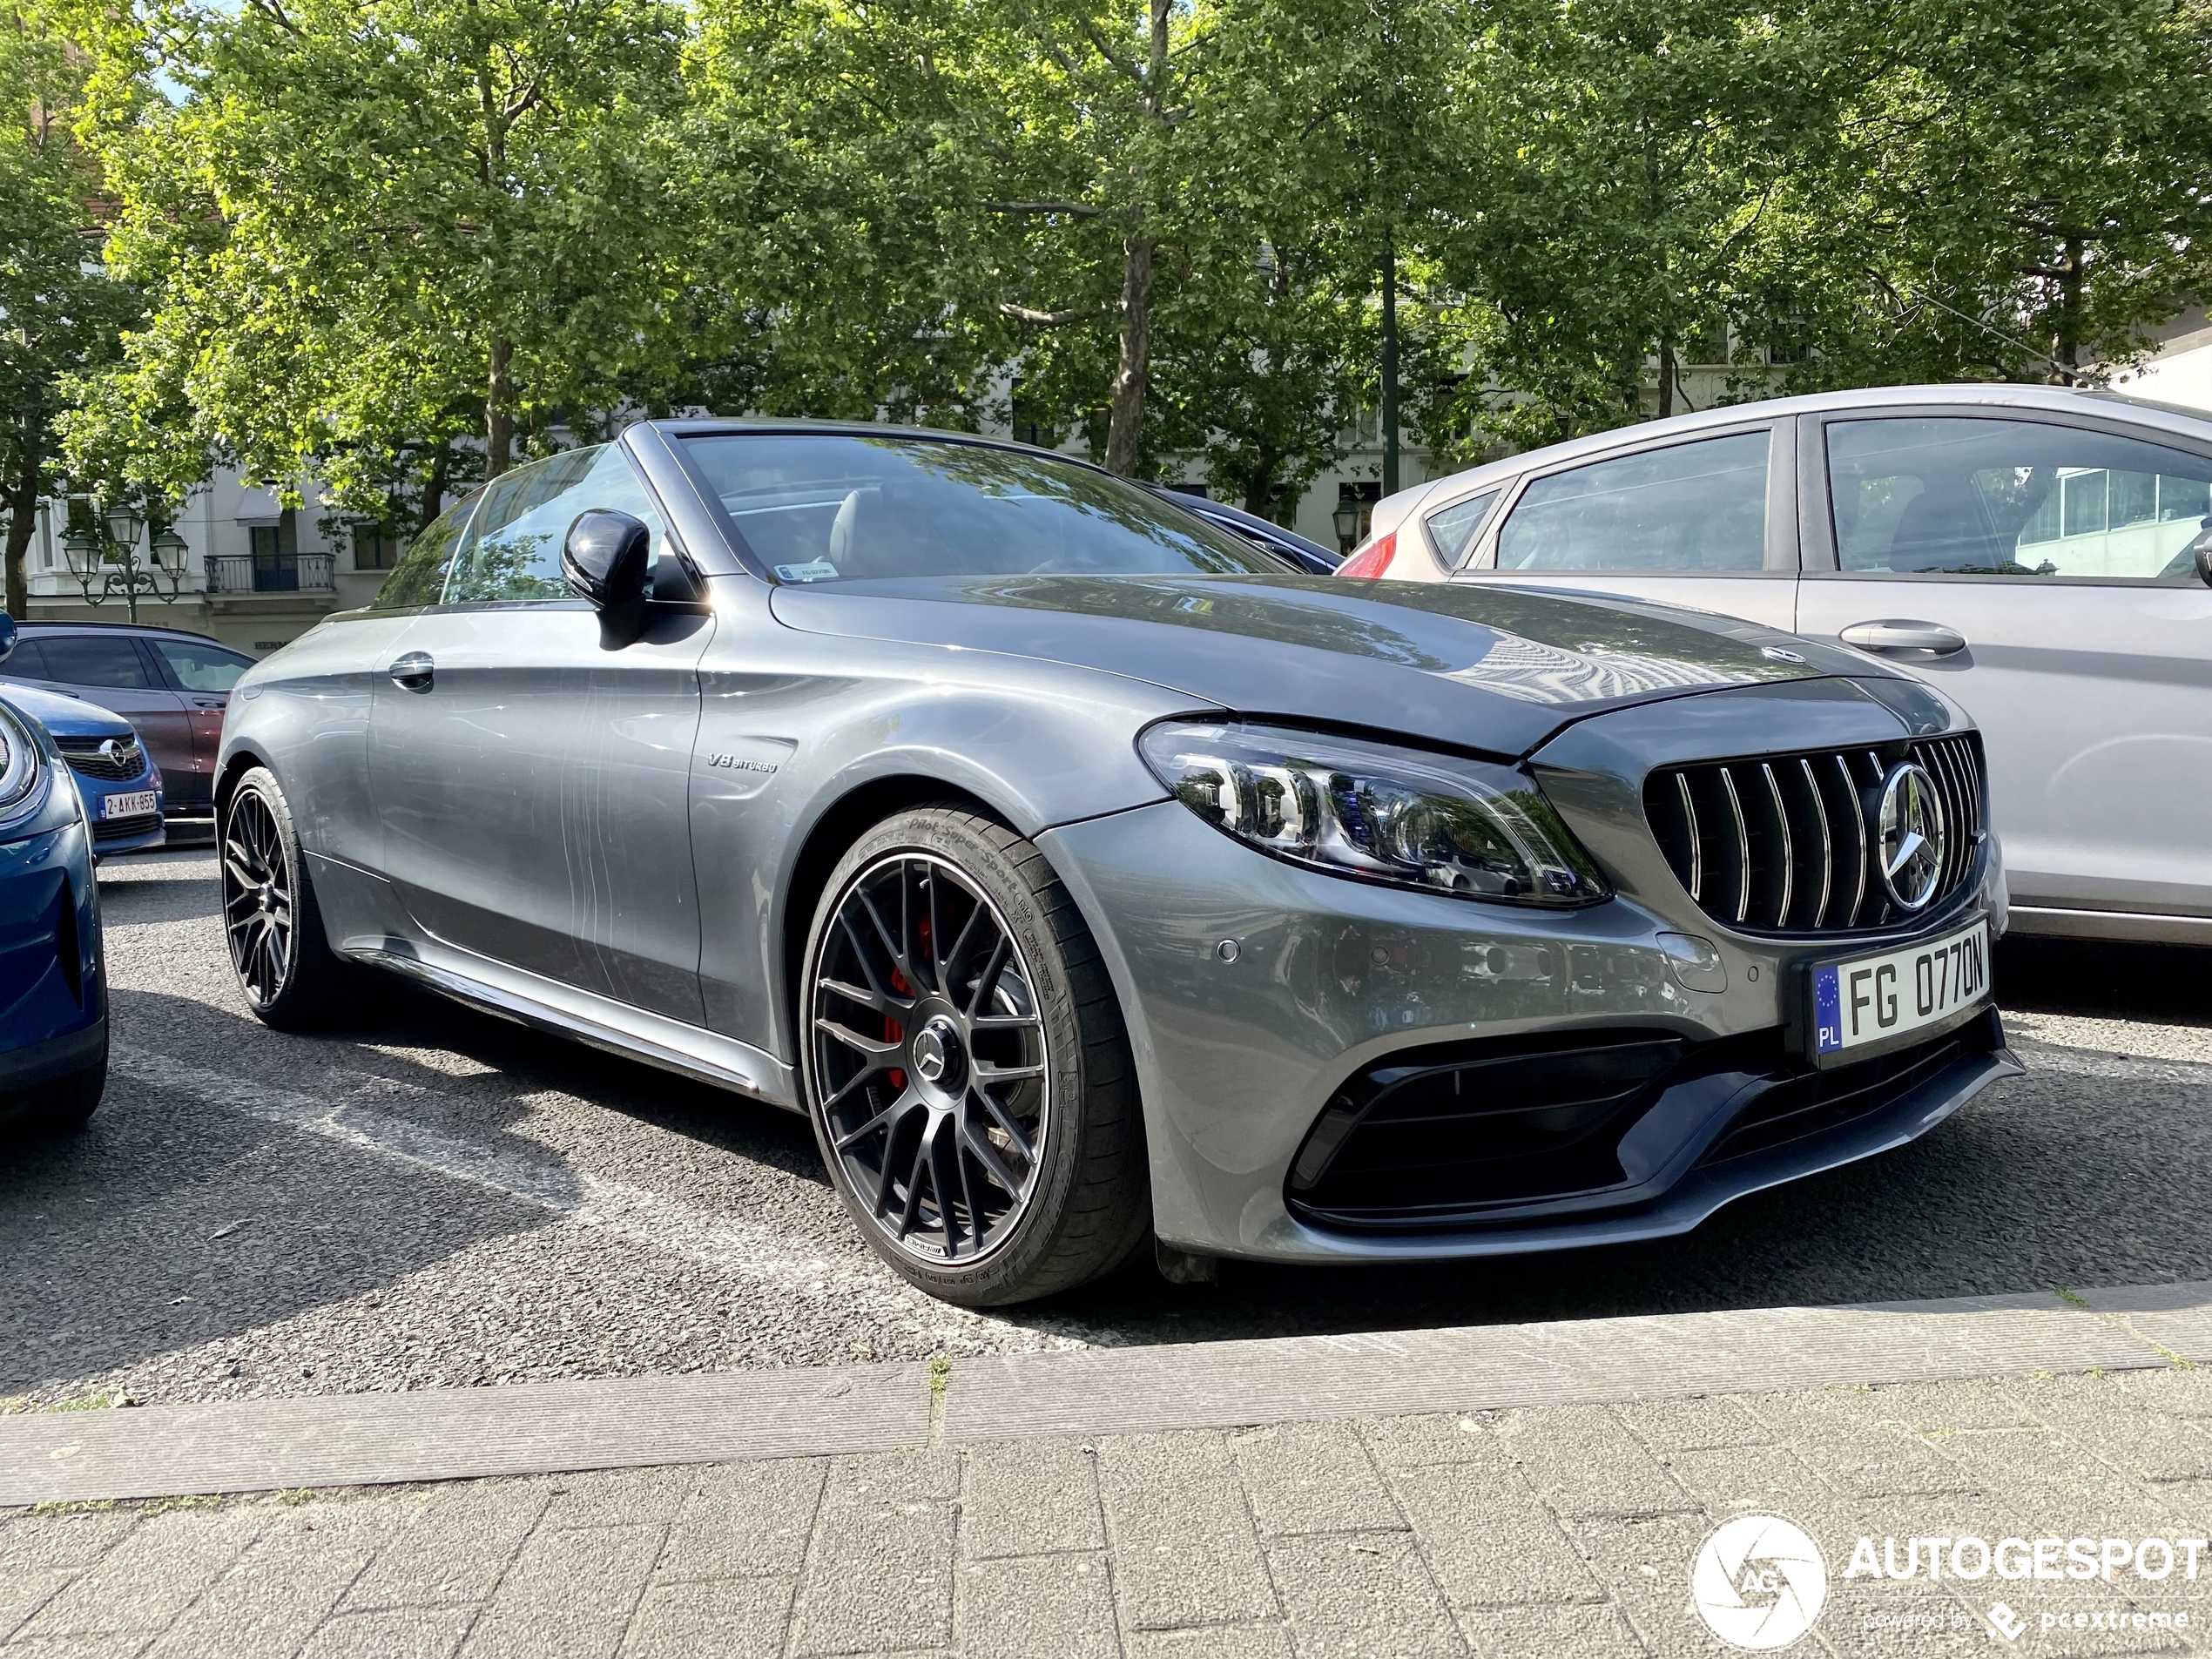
point(291, 978)
point(257, 898)
point(966, 1066)
point(933, 1063)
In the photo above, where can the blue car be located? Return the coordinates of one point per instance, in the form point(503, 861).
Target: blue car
point(53, 997)
point(121, 785)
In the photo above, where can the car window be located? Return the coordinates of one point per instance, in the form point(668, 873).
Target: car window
point(86, 659)
point(2013, 498)
point(420, 576)
point(830, 506)
point(1452, 529)
point(511, 550)
point(1690, 507)
point(200, 667)
point(26, 661)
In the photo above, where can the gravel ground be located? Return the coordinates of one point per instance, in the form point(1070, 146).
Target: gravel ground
point(439, 1198)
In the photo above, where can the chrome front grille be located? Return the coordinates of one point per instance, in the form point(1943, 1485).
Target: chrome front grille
point(1785, 844)
point(95, 758)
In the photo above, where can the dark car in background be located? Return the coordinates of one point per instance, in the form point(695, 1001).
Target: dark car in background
point(171, 685)
point(53, 1004)
point(1285, 544)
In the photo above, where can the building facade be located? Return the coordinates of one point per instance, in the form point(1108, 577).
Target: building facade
point(255, 574)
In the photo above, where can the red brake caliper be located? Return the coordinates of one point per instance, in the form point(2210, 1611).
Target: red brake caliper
point(893, 1031)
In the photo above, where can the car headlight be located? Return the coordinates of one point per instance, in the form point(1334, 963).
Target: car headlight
point(21, 762)
point(1376, 812)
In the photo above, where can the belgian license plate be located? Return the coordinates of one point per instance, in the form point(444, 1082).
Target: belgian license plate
point(137, 804)
point(1871, 1002)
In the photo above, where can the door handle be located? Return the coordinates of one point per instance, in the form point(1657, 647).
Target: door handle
point(414, 672)
point(1897, 633)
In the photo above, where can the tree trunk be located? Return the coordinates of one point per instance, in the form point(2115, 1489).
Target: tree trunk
point(1666, 378)
point(2067, 346)
point(1125, 422)
point(433, 488)
point(23, 520)
point(499, 418)
point(1259, 486)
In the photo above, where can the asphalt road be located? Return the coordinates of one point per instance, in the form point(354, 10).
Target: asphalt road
point(435, 1196)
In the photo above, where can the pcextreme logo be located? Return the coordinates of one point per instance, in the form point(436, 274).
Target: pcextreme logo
point(1758, 1581)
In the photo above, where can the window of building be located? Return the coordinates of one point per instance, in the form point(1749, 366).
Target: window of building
point(374, 547)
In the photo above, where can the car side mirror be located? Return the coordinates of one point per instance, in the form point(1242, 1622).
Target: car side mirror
point(606, 559)
point(7, 635)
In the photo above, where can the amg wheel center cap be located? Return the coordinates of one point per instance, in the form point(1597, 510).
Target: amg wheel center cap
point(938, 1060)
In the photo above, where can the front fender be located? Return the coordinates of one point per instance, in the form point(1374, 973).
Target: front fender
point(804, 740)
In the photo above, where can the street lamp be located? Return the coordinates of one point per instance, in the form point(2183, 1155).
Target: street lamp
point(170, 553)
point(82, 550)
point(123, 527)
point(1346, 519)
point(92, 552)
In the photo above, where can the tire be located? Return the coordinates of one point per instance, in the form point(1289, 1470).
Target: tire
point(1029, 1120)
point(290, 977)
point(61, 1105)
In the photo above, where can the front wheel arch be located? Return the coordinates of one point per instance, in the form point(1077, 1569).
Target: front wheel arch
point(827, 839)
point(1085, 1205)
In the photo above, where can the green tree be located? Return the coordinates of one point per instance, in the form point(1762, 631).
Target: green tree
point(2012, 192)
point(60, 313)
point(841, 158)
point(1629, 153)
point(372, 228)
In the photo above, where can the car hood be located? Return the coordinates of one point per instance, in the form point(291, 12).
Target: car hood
point(1491, 668)
point(64, 717)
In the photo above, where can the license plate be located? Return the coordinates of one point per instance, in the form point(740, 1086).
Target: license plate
point(1873, 1003)
point(137, 804)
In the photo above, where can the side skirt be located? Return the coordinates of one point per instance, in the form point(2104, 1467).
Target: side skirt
point(494, 987)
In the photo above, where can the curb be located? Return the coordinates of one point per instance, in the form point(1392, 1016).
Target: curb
point(543, 1428)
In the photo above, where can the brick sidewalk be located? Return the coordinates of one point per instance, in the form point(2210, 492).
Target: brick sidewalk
point(1565, 1530)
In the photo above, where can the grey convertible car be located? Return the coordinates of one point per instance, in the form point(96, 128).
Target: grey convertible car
point(1085, 875)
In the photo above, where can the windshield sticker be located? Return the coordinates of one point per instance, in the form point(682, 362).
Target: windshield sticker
point(812, 571)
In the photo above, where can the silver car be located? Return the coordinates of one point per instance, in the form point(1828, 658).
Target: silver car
point(2039, 553)
point(1088, 878)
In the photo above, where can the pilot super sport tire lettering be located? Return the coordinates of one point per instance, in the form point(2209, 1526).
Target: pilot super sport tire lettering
point(285, 965)
point(966, 1069)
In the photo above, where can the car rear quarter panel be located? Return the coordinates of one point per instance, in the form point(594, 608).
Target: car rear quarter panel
point(304, 713)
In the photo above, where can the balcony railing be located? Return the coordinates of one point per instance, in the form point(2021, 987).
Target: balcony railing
point(258, 573)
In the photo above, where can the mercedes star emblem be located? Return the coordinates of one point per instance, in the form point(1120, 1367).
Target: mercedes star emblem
point(1908, 836)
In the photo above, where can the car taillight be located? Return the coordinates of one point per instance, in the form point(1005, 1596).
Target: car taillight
point(1373, 560)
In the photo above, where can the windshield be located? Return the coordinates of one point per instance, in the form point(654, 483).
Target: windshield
point(838, 507)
